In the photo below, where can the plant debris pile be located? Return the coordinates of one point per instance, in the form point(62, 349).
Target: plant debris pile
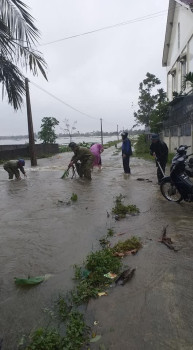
point(122, 210)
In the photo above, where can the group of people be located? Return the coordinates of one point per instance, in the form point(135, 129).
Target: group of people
point(85, 159)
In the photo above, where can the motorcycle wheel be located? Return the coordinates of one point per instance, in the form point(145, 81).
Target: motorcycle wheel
point(170, 192)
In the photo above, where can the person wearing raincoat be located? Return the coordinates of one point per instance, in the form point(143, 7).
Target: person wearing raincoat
point(96, 150)
point(83, 160)
point(13, 167)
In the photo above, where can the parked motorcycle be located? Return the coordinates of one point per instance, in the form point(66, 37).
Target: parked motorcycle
point(178, 186)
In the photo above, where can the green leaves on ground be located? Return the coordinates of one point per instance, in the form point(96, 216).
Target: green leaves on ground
point(29, 281)
point(122, 210)
point(74, 197)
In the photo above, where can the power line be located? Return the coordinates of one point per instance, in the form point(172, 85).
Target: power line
point(67, 104)
point(60, 100)
point(138, 19)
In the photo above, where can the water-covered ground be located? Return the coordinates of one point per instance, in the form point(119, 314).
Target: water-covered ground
point(41, 234)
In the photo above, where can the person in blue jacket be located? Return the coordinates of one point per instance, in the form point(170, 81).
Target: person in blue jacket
point(126, 152)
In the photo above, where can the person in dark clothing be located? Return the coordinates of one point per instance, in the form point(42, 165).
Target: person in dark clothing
point(159, 150)
point(126, 152)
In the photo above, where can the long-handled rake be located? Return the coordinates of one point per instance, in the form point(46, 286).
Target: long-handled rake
point(66, 173)
point(159, 165)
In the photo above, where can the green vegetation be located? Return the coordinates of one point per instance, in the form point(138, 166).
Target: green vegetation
point(152, 106)
point(63, 149)
point(111, 143)
point(110, 232)
point(122, 210)
point(18, 38)
point(129, 244)
point(47, 133)
point(43, 339)
point(142, 145)
point(76, 335)
point(74, 197)
point(91, 279)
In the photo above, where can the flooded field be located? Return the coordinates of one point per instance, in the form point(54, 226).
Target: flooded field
point(41, 233)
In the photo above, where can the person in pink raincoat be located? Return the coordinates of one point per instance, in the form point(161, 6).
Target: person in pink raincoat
point(96, 150)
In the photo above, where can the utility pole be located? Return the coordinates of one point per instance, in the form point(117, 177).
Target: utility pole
point(117, 132)
point(30, 126)
point(101, 132)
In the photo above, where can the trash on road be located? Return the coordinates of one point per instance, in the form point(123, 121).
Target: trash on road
point(29, 281)
point(167, 240)
point(124, 277)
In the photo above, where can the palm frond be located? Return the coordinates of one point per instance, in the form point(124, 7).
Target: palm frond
point(13, 82)
point(14, 14)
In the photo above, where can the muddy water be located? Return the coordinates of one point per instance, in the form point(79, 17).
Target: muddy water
point(42, 234)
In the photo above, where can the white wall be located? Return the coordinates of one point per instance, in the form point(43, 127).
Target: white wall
point(185, 17)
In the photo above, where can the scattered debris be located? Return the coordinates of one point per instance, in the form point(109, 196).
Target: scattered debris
point(101, 294)
point(130, 246)
point(110, 232)
point(167, 240)
point(104, 242)
point(74, 197)
point(120, 210)
point(124, 277)
point(95, 338)
point(121, 233)
point(141, 179)
point(128, 252)
point(110, 275)
point(29, 280)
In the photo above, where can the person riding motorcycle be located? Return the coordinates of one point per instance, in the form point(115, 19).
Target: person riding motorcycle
point(83, 160)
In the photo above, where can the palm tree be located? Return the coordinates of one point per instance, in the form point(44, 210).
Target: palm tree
point(17, 36)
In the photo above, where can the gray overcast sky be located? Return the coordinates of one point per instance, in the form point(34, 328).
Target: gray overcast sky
point(98, 73)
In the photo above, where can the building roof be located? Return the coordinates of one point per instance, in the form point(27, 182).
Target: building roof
point(187, 2)
point(171, 9)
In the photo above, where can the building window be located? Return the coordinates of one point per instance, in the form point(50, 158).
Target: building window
point(185, 129)
point(178, 35)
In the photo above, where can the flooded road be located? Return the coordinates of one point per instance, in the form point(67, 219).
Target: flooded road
point(42, 234)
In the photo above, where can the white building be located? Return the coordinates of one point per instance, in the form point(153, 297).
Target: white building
point(178, 60)
point(178, 45)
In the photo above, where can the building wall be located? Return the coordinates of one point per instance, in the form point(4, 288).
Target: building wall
point(184, 17)
point(8, 152)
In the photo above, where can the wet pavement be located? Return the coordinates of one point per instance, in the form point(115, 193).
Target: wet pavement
point(42, 234)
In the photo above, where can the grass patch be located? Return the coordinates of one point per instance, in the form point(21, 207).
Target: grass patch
point(129, 244)
point(43, 339)
point(110, 232)
point(122, 210)
point(74, 197)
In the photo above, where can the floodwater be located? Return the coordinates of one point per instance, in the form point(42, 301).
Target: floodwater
point(41, 234)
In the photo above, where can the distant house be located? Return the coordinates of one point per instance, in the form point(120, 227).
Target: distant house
point(178, 60)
